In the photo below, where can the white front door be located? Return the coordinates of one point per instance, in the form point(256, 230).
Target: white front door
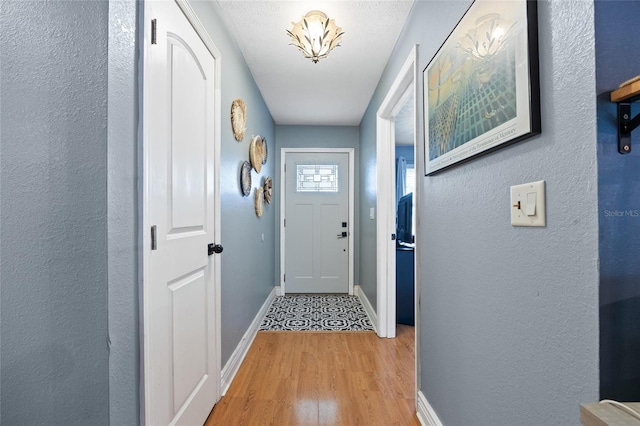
point(181, 373)
point(317, 222)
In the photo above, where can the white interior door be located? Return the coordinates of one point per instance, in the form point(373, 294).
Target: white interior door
point(181, 373)
point(317, 222)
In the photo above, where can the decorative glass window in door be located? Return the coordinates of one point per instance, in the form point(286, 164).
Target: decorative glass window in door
point(317, 178)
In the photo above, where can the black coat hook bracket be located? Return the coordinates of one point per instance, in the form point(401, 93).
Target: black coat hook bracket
point(624, 96)
point(626, 125)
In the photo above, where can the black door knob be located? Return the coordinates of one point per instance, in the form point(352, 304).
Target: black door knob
point(214, 248)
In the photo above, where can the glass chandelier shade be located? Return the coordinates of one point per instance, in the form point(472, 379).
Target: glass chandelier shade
point(315, 35)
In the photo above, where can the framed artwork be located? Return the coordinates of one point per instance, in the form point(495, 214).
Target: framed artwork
point(481, 89)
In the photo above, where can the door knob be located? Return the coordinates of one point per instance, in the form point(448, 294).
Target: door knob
point(214, 248)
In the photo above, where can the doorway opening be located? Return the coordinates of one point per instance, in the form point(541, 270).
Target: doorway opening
point(405, 182)
point(403, 90)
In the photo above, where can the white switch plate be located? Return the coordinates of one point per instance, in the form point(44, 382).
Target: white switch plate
point(372, 213)
point(522, 211)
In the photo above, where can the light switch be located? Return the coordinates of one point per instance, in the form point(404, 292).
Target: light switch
point(531, 203)
point(528, 204)
point(372, 213)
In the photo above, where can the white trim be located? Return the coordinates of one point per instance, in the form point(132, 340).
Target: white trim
point(426, 413)
point(143, 164)
point(283, 154)
point(233, 365)
point(385, 225)
point(417, 199)
point(145, 193)
point(405, 81)
point(282, 209)
point(367, 307)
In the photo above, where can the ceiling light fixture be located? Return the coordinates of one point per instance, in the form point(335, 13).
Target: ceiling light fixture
point(315, 35)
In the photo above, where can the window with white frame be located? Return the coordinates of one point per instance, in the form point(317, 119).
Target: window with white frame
point(317, 178)
point(410, 179)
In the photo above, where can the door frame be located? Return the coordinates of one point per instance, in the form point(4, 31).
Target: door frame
point(351, 237)
point(405, 81)
point(144, 197)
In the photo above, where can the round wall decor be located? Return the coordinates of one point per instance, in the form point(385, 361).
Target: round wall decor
point(267, 189)
point(245, 178)
point(259, 202)
point(255, 153)
point(238, 118)
point(264, 151)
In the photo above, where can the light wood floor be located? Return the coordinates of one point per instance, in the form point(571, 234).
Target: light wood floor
point(323, 378)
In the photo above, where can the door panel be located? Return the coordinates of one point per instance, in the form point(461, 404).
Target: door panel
point(301, 217)
point(316, 204)
point(189, 303)
point(181, 381)
point(188, 135)
point(333, 260)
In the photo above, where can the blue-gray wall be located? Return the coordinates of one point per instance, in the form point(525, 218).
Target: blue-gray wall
point(69, 209)
point(368, 197)
point(315, 137)
point(527, 342)
point(619, 195)
point(407, 152)
point(247, 262)
point(509, 319)
point(53, 345)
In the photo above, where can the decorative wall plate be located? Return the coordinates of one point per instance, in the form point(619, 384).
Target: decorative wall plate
point(255, 153)
point(245, 178)
point(264, 150)
point(259, 202)
point(238, 118)
point(267, 187)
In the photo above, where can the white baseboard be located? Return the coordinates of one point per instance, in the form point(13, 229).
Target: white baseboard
point(367, 306)
point(426, 413)
point(231, 368)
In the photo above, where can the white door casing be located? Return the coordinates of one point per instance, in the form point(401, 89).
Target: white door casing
point(385, 225)
point(406, 80)
point(181, 203)
point(316, 257)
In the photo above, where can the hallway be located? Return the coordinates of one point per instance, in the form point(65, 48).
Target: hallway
point(323, 378)
point(552, 307)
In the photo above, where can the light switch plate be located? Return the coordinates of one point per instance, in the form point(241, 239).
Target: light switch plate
point(523, 213)
point(372, 213)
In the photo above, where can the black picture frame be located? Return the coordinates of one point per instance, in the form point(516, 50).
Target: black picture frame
point(481, 90)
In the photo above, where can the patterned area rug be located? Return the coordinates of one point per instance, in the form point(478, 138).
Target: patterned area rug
point(316, 313)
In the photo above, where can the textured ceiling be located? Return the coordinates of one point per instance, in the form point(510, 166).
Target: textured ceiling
point(336, 90)
point(404, 123)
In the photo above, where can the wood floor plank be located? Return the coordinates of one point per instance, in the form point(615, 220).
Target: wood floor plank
point(322, 378)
